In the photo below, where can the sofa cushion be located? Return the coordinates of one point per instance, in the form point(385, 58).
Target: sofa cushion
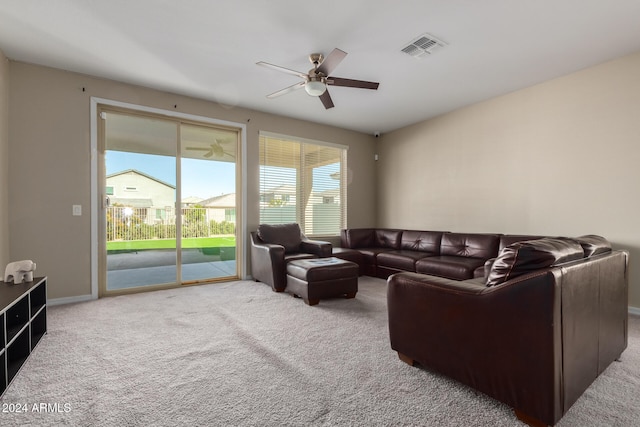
point(423, 241)
point(369, 255)
point(451, 267)
point(357, 238)
point(292, 256)
point(530, 255)
point(386, 238)
point(287, 235)
point(401, 260)
point(470, 245)
point(593, 245)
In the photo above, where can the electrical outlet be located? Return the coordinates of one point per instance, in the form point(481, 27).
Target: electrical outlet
point(77, 210)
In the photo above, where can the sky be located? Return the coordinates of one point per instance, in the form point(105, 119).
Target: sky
point(200, 178)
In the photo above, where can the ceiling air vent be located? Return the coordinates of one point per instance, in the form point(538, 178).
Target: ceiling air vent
point(423, 46)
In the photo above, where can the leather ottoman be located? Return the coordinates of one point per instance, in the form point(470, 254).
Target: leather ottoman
point(314, 279)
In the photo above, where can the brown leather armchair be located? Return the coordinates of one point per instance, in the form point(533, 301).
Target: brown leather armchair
point(273, 246)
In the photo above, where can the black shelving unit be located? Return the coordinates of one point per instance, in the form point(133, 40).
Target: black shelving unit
point(23, 322)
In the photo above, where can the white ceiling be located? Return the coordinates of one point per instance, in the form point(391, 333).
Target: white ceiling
point(208, 48)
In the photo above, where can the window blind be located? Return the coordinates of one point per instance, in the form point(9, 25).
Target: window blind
point(303, 182)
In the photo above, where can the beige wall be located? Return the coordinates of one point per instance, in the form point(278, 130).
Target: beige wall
point(4, 163)
point(559, 158)
point(49, 154)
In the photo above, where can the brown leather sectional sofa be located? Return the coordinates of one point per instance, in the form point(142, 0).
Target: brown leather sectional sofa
point(457, 256)
point(528, 320)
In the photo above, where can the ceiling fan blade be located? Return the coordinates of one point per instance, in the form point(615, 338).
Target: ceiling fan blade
point(331, 62)
point(338, 81)
point(284, 70)
point(326, 100)
point(198, 148)
point(287, 90)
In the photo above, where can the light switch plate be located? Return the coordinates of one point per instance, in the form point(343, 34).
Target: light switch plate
point(77, 210)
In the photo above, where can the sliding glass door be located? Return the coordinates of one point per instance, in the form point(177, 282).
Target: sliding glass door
point(169, 202)
point(208, 226)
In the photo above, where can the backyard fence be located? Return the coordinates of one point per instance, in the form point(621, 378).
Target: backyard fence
point(128, 223)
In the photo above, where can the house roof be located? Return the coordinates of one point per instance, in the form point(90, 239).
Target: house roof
point(222, 201)
point(127, 171)
point(192, 200)
point(491, 47)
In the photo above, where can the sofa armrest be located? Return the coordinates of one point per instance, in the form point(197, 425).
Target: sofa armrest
point(317, 247)
point(267, 263)
point(503, 341)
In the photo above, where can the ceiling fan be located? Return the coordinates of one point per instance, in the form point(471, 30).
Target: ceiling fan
point(316, 80)
point(214, 149)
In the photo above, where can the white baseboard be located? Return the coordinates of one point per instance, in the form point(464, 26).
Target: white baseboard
point(634, 310)
point(70, 300)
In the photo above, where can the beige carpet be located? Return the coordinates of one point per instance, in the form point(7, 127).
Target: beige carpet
point(239, 354)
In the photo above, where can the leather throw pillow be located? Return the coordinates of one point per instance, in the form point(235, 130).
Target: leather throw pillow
point(530, 255)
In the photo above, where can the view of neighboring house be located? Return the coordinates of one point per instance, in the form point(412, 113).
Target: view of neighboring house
point(220, 208)
point(191, 201)
point(278, 205)
point(153, 200)
point(278, 196)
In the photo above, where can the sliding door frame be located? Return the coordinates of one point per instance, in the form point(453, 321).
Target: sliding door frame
point(96, 192)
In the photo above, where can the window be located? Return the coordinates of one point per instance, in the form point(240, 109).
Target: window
point(109, 190)
point(308, 179)
point(266, 198)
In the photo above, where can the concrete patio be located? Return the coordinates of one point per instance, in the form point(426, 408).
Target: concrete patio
point(145, 268)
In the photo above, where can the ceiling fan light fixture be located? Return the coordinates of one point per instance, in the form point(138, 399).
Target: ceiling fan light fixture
point(316, 80)
point(315, 87)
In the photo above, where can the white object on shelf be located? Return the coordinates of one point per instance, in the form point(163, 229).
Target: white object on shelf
point(18, 271)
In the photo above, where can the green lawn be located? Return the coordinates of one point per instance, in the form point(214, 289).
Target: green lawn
point(189, 243)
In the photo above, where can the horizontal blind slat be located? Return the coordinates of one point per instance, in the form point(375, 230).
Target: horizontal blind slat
point(302, 182)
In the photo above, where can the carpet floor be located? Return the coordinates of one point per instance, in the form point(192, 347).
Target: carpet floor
point(238, 354)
